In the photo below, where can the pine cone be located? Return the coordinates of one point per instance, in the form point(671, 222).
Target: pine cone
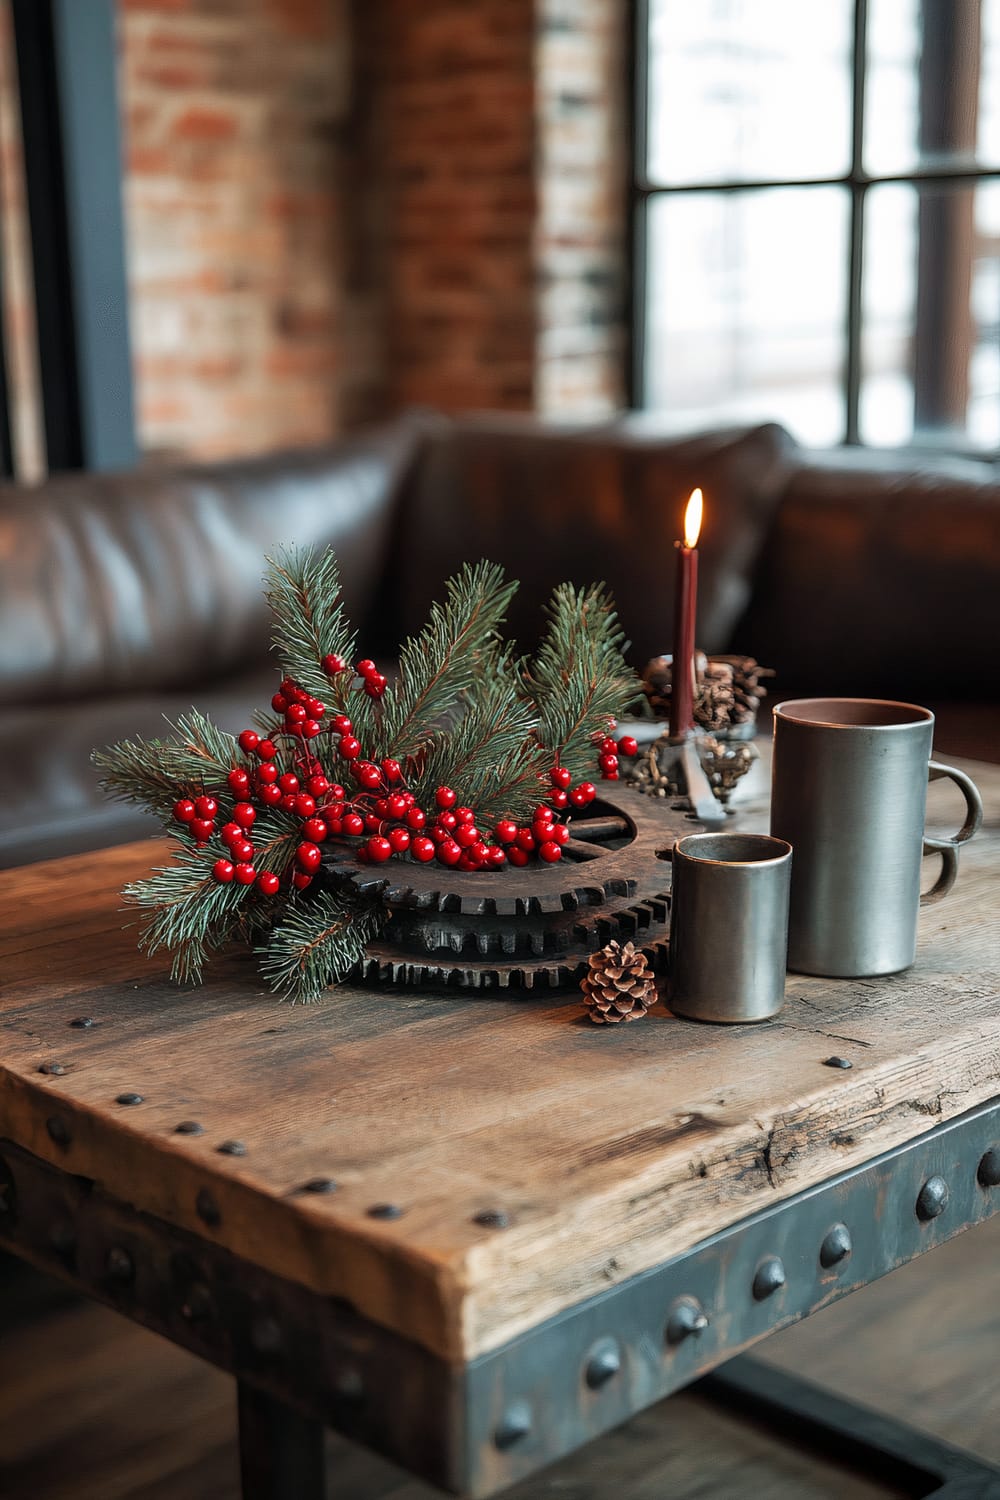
point(619, 985)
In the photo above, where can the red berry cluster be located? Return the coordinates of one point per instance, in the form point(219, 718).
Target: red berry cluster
point(610, 750)
point(372, 679)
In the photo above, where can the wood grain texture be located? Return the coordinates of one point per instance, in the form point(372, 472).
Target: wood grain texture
point(608, 1150)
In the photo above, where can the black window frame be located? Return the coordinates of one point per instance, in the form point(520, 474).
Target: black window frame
point(642, 191)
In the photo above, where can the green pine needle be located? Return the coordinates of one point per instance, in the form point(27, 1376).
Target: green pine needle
point(154, 773)
point(186, 911)
point(303, 590)
point(318, 942)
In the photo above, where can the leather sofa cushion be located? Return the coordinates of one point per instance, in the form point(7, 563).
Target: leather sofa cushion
point(554, 502)
point(881, 581)
point(152, 579)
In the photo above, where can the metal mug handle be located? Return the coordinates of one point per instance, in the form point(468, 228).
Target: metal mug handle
point(948, 848)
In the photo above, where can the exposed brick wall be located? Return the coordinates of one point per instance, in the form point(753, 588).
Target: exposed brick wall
point(580, 238)
point(235, 120)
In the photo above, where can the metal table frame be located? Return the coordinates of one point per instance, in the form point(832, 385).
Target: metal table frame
point(304, 1361)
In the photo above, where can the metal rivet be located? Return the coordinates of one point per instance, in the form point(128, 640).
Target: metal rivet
point(232, 1148)
point(603, 1362)
point(189, 1127)
point(988, 1174)
point(687, 1316)
point(514, 1425)
point(62, 1237)
point(320, 1185)
point(836, 1246)
point(385, 1211)
point(54, 1069)
point(208, 1209)
point(119, 1264)
point(491, 1218)
point(932, 1198)
point(80, 1023)
point(768, 1277)
point(58, 1130)
point(128, 1098)
point(837, 1062)
point(265, 1335)
point(197, 1304)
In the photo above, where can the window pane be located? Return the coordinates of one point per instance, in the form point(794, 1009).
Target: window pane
point(745, 308)
point(933, 93)
point(931, 343)
point(749, 90)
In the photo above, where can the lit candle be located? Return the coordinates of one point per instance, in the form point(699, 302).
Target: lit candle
point(685, 609)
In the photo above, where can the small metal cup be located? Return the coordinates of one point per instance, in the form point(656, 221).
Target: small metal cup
point(849, 792)
point(729, 926)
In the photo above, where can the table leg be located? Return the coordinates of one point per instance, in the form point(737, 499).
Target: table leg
point(281, 1452)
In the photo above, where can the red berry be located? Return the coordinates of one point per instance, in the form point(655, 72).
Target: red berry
point(268, 883)
point(242, 848)
point(266, 750)
point(445, 797)
point(296, 714)
point(232, 833)
point(334, 826)
point(266, 773)
point(408, 798)
point(422, 848)
point(311, 728)
point(202, 828)
point(315, 830)
point(559, 799)
point(206, 807)
point(448, 852)
point(332, 664)
point(439, 835)
point(365, 667)
point(368, 775)
point(379, 849)
point(223, 871)
point(609, 746)
point(466, 862)
point(238, 781)
point(416, 818)
point(542, 814)
point(373, 822)
point(549, 851)
point(350, 748)
point(307, 857)
point(400, 840)
point(465, 815)
point(495, 857)
point(287, 801)
point(353, 825)
point(447, 820)
point(628, 745)
point(184, 810)
point(392, 770)
point(376, 685)
point(466, 834)
point(245, 874)
point(244, 814)
point(300, 879)
point(477, 851)
point(559, 833)
point(382, 807)
point(396, 805)
point(336, 793)
point(289, 782)
point(560, 776)
point(505, 831)
point(316, 708)
point(342, 724)
point(525, 840)
point(305, 805)
point(317, 786)
point(279, 703)
point(269, 795)
point(542, 830)
point(582, 794)
point(609, 763)
point(610, 775)
point(248, 741)
point(518, 856)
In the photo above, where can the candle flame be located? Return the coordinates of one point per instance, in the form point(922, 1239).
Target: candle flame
point(692, 519)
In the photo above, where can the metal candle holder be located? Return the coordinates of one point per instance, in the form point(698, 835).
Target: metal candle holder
point(682, 776)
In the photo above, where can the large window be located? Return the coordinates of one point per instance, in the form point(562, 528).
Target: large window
point(817, 217)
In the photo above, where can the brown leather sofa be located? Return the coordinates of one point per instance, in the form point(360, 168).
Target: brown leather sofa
point(127, 598)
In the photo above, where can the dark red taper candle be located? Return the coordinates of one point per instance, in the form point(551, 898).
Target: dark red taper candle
point(685, 613)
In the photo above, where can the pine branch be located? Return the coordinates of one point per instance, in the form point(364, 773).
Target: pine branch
point(489, 756)
point(318, 943)
point(154, 773)
point(443, 661)
point(303, 591)
point(579, 678)
point(186, 911)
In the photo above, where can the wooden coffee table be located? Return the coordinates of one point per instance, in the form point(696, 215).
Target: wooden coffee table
point(474, 1234)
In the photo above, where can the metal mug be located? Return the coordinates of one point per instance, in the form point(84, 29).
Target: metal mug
point(729, 926)
point(849, 792)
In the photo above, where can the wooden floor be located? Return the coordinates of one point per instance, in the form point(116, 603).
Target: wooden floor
point(92, 1408)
